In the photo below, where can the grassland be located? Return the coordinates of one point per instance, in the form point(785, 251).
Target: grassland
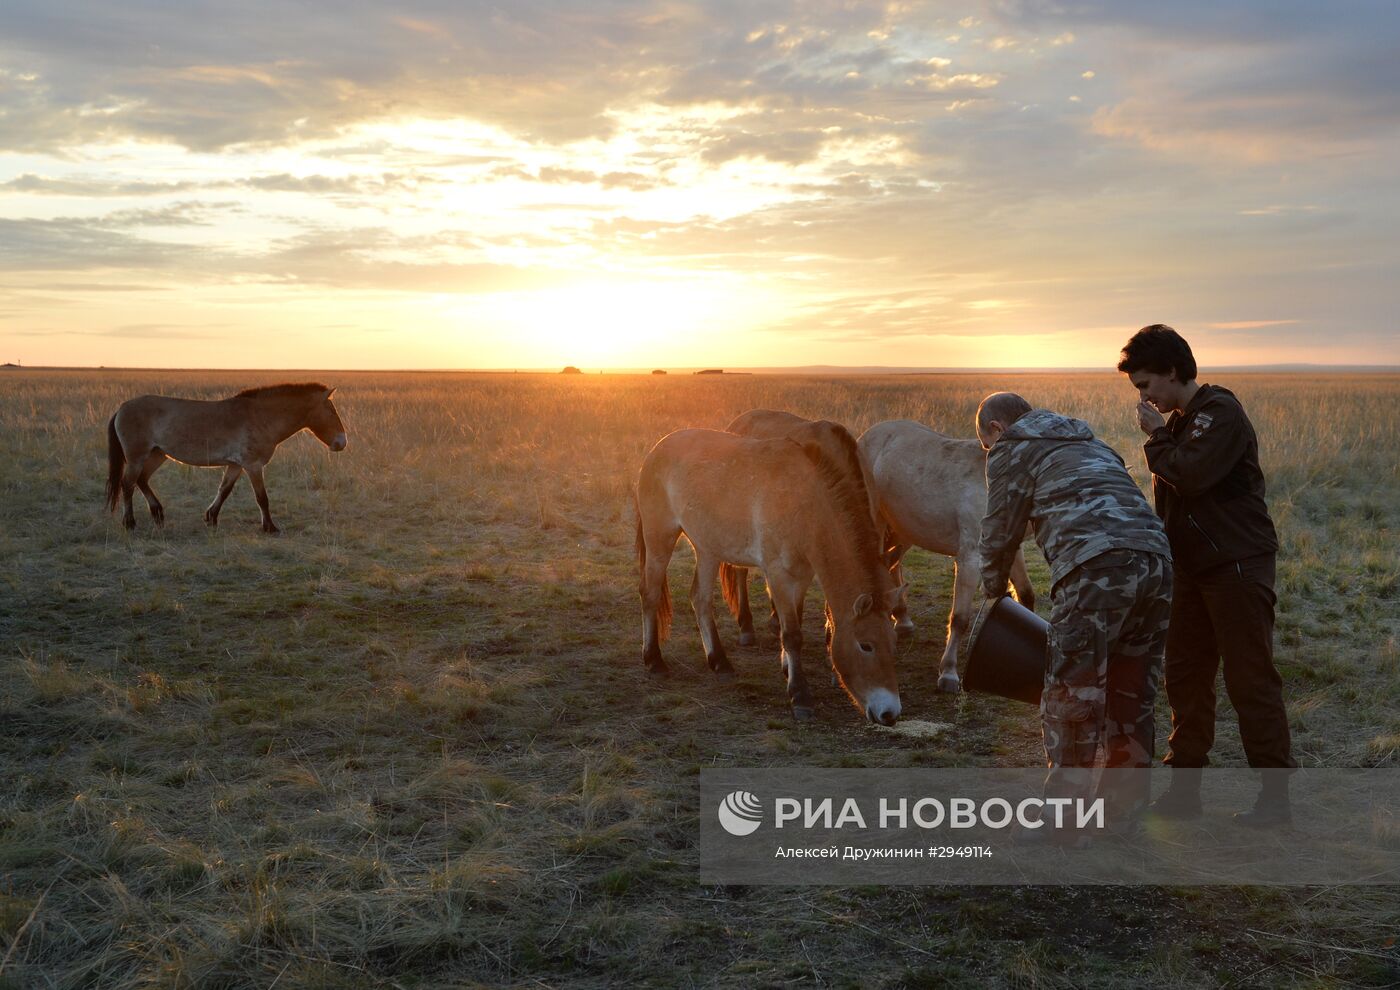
point(409, 742)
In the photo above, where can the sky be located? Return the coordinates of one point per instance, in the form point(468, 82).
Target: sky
point(461, 184)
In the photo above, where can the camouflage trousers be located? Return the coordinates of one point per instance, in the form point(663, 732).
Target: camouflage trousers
point(1108, 631)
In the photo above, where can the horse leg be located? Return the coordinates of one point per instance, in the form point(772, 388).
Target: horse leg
point(787, 595)
point(702, 602)
point(826, 637)
point(255, 478)
point(130, 476)
point(966, 578)
point(745, 616)
point(1021, 580)
point(903, 625)
point(153, 462)
point(231, 474)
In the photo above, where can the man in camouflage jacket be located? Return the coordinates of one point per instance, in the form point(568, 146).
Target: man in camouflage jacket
point(1110, 573)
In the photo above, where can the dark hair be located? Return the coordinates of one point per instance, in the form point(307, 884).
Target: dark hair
point(1159, 349)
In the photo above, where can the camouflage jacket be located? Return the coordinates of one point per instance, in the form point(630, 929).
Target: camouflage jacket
point(1049, 470)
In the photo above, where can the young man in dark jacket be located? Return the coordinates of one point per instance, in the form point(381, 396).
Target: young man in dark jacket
point(1209, 491)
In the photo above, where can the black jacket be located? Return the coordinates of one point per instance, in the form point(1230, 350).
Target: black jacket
point(1207, 484)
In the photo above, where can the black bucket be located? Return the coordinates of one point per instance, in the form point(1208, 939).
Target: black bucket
point(1006, 651)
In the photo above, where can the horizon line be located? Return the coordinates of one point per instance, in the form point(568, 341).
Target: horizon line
point(814, 369)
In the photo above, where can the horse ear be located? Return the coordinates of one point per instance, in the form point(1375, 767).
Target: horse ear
point(331, 391)
point(863, 605)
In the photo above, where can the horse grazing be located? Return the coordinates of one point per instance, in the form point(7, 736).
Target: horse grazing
point(772, 424)
point(789, 508)
point(240, 433)
point(931, 492)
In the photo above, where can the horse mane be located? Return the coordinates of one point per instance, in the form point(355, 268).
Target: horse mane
point(287, 389)
point(845, 481)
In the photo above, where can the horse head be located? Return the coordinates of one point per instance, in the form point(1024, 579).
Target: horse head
point(325, 422)
point(863, 654)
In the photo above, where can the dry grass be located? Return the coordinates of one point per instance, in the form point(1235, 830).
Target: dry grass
point(409, 743)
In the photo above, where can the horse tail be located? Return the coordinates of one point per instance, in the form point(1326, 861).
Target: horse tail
point(663, 608)
point(731, 579)
point(116, 462)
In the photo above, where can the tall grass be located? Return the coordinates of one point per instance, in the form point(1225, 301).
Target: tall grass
point(409, 741)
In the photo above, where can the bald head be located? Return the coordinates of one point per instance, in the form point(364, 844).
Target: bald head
point(998, 411)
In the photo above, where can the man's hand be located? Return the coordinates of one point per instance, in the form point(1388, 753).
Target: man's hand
point(1149, 419)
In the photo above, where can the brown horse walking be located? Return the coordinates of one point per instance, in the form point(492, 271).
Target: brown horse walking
point(792, 509)
point(239, 433)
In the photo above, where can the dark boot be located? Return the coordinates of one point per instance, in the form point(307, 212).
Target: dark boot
point(1271, 808)
point(1182, 799)
point(1047, 836)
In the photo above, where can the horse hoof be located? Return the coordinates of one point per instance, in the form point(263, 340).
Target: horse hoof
point(748, 639)
point(725, 676)
point(210, 520)
point(949, 684)
point(659, 671)
point(802, 713)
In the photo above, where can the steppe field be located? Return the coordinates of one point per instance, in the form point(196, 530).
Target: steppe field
point(409, 742)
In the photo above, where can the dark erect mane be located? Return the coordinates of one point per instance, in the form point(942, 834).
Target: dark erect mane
point(846, 482)
point(286, 389)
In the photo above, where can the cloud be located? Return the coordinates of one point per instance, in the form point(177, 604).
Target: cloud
point(1253, 83)
point(136, 331)
point(69, 244)
point(210, 76)
point(163, 331)
point(575, 176)
point(1249, 324)
point(191, 213)
point(365, 258)
point(790, 147)
point(74, 286)
point(372, 258)
point(30, 183)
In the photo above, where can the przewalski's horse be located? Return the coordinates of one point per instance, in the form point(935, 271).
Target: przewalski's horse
point(771, 424)
point(786, 507)
point(931, 492)
point(239, 433)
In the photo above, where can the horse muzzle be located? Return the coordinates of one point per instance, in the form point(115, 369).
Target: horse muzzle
point(882, 707)
point(338, 443)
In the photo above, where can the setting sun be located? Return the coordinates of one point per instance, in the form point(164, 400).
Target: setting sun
point(609, 322)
